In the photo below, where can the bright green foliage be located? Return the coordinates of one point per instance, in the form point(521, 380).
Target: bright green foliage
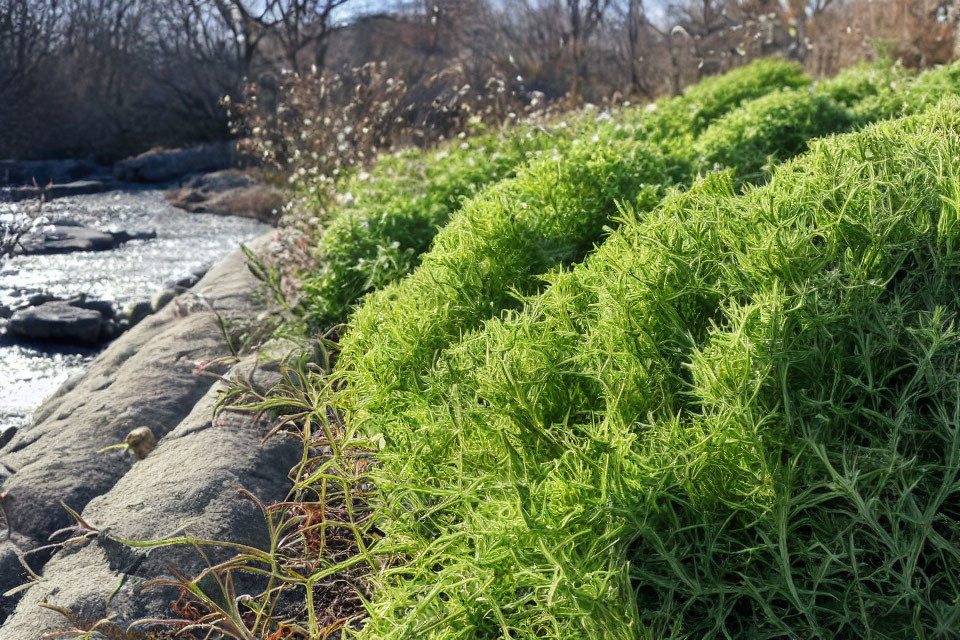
point(736, 418)
point(768, 130)
point(740, 417)
point(400, 204)
point(396, 211)
point(932, 86)
point(702, 103)
point(503, 240)
point(871, 92)
point(499, 243)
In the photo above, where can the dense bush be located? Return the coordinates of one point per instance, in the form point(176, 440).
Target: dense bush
point(397, 207)
point(931, 86)
point(674, 119)
point(737, 418)
point(498, 244)
point(713, 97)
point(733, 418)
point(768, 130)
point(395, 211)
point(871, 92)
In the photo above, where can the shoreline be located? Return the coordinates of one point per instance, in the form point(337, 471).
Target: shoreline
point(154, 376)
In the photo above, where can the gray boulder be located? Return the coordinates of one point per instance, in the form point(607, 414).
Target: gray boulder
point(147, 377)
point(104, 307)
point(231, 193)
point(163, 297)
point(217, 182)
point(14, 574)
point(57, 322)
point(138, 312)
point(70, 238)
point(167, 165)
point(6, 435)
point(187, 486)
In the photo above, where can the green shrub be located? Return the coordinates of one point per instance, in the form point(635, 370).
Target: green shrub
point(396, 210)
point(738, 418)
point(498, 244)
point(400, 204)
point(566, 201)
point(870, 92)
point(715, 96)
point(766, 131)
point(931, 86)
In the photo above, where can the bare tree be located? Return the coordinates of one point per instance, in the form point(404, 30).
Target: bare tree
point(584, 17)
point(296, 25)
point(798, 14)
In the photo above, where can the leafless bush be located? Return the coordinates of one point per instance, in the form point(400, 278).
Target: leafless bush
point(16, 221)
point(318, 124)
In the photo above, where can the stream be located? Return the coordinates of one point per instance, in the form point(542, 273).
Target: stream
point(131, 273)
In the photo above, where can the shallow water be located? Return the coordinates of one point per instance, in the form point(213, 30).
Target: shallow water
point(133, 272)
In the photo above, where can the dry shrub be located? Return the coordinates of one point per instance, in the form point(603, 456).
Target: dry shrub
point(919, 32)
point(316, 125)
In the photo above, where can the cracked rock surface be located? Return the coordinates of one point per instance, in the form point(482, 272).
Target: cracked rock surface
point(188, 486)
point(145, 378)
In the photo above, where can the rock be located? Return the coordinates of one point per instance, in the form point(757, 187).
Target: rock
point(5, 311)
point(167, 165)
point(164, 296)
point(57, 322)
point(218, 181)
point(145, 377)
point(138, 312)
point(121, 237)
point(229, 193)
point(104, 307)
point(37, 299)
point(65, 221)
point(186, 281)
point(187, 485)
point(41, 172)
point(109, 330)
point(15, 575)
point(7, 435)
point(78, 188)
point(68, 239)
point(61, 190)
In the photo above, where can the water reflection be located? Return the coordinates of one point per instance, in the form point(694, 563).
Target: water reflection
point(132, 273)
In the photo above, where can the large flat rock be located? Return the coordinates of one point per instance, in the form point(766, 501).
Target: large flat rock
point(70, 239)
point(166, 165)
point(147, 377)
point(188, 485)
point(61, 190)
point(57, 322)
point(27, 173)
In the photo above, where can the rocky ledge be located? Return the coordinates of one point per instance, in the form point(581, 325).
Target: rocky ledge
point(228, 193)
point(85, 322)
point(153, 376)
point(60, 190)
point(70, 238)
